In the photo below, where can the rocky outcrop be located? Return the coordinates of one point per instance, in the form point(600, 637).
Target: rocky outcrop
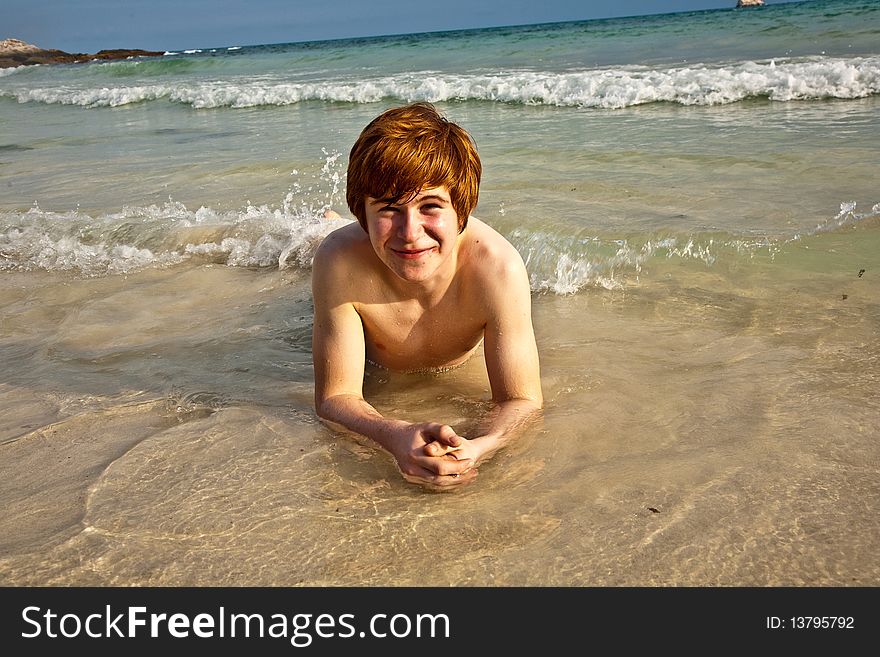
point(749, 3)
point(14, 52)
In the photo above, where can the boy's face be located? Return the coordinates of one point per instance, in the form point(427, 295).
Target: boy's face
point(416, 237)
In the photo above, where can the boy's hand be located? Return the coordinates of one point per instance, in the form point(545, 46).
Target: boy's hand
point(460, 449)
point(440, 467)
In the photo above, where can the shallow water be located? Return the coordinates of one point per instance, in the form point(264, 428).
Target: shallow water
point(696, 432)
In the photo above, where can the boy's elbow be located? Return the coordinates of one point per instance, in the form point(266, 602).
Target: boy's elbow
point(322, 407)
point(331, 407)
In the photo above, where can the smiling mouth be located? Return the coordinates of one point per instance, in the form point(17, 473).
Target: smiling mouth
point(411, 254)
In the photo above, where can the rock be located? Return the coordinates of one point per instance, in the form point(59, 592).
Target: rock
point(14, 52)
point(16, 45)
point(749, 3)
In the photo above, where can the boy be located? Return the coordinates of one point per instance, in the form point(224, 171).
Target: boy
point(418, 284)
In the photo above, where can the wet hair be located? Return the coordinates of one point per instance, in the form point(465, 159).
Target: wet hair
point(406, 149)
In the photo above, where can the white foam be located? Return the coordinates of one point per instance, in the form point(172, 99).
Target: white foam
point(72, 241)
point(136, 237)
point(847, 216)
point(288, 236)
point(613, 88)
point(30, 248)
point(563, 265)
point(103, 97)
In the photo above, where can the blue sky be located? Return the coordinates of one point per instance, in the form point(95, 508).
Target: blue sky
point(91, 25)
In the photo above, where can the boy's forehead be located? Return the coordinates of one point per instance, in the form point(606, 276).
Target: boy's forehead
point(425, 192)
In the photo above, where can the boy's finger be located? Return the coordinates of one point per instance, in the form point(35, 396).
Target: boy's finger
point(445, 434)
point(437, 448)
point(447, 467)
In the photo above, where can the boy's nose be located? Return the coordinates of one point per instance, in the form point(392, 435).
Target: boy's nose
point(410, 228)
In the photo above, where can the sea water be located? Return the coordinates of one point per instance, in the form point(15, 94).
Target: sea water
point(694, 195)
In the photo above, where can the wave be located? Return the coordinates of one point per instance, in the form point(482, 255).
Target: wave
point(262, 237)
point(615, 88)
point(136, 238)
point(564, 265)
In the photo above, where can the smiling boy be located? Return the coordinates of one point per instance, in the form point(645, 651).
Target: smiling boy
point(418, 284)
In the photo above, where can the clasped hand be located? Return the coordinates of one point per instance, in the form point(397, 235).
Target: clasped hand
point(433, 455)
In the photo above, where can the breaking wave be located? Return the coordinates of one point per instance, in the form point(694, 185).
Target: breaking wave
point(136, 238)
point(612, 88)
point(160, 235)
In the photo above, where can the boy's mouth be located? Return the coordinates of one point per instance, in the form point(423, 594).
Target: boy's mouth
point(411, 254)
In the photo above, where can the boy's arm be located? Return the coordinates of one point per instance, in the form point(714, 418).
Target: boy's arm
point(338, 354)
point(512, 363)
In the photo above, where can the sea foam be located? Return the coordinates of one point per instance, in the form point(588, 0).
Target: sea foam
point(608, 88)
point(264, 237)
point(160, 235)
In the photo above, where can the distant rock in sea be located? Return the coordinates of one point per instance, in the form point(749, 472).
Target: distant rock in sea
point(14, 52)
point(749, 3)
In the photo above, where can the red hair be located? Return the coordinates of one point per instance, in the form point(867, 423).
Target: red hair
point(410, 148)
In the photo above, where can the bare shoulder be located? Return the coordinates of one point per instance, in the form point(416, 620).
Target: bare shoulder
point(338, 258)
point(343, 240)
point(341, 250)
point(492, 255)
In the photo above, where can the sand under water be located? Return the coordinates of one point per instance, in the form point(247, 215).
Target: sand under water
point(708, 433)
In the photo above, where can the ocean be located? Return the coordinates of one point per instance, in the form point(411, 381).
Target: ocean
point(696, 199)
